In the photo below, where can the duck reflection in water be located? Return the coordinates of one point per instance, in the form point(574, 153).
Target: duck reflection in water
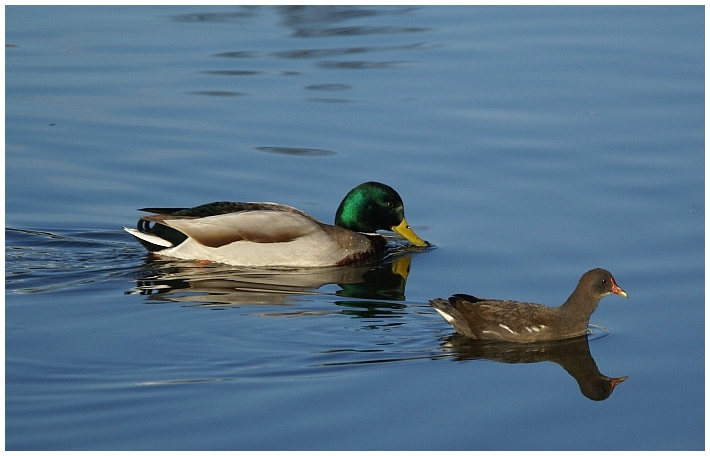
point(217, 285)
point(572, 354)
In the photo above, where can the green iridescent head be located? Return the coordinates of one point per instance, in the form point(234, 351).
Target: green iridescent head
point(374, 206)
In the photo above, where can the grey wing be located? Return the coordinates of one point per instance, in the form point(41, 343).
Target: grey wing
point(254, 226)
point(506, 319)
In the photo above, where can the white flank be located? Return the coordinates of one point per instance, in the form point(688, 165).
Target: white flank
point(506, 328)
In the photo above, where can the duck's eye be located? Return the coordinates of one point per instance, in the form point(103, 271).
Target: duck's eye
point(603, 280)
point(390, 205)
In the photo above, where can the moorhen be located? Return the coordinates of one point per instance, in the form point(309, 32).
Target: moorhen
point(514, 321)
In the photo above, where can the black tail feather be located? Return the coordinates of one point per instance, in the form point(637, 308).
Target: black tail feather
point(171, 235)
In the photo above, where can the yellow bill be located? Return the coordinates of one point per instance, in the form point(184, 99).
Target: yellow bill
point(406, 232)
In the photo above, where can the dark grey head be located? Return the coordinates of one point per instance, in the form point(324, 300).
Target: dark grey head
point(600, 282)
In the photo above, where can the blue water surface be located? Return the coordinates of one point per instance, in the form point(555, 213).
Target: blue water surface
point(529, 144)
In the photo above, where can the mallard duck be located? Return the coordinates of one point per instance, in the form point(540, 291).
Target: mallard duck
point(276, 235)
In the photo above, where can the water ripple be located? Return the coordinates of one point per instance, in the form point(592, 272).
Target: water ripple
point(38, 261)
point(303, 152)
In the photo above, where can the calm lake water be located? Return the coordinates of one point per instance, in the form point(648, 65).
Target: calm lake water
point(529, 144)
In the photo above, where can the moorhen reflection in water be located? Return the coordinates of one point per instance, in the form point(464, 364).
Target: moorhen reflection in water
point(572, 354)
point(217, 285)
